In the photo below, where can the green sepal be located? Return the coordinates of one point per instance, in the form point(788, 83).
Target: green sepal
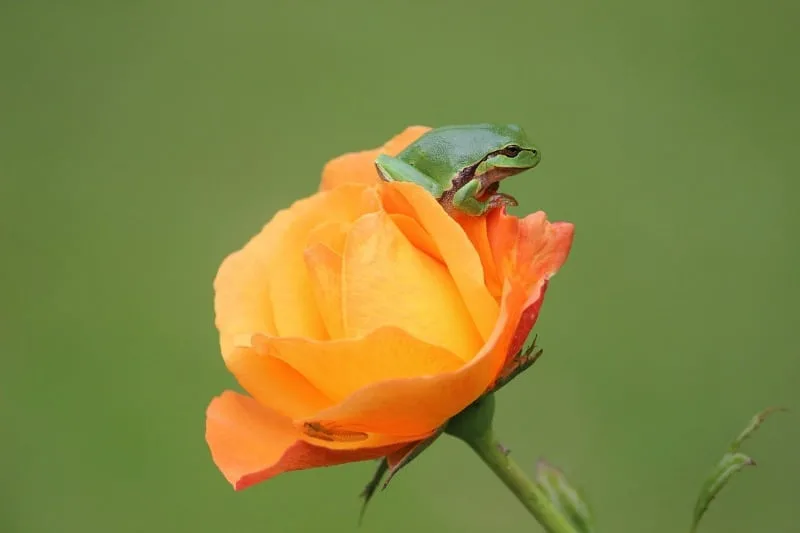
point(474, 421)
point(383, 468)
point(372, 486)
point(520, 362)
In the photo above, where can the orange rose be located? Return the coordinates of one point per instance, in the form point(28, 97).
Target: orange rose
point(362, 318)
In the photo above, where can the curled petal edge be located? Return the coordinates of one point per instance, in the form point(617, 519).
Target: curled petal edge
point(250, 443)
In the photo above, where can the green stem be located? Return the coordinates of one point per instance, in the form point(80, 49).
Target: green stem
point(526, 491)
point(473, 425)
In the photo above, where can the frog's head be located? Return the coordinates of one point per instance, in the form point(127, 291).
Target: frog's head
point(510, 152)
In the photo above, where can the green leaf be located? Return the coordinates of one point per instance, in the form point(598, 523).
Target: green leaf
point(732, 462)
point(754, 425)
point(566, 498)
point(412, 454)
point(722, 473)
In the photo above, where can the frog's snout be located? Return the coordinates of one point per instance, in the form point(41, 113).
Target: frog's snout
point(534, 157)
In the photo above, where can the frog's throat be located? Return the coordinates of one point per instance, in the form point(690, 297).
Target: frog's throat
point(495, 175)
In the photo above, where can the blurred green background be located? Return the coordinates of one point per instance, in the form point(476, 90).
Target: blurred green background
point(142, 141)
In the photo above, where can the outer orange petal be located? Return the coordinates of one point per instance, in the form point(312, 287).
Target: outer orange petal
point(529, 250)
point(544, 261)
point(458, 252)
point(526, 321)
point(359, 167)
point(250, 443)
point(389, 282)
point(241, 286)
point(503, 234)
point(339, 368)
point(414, 407)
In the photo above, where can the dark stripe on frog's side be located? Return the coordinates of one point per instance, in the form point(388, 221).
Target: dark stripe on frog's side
point(468, 174)
point(464, 176)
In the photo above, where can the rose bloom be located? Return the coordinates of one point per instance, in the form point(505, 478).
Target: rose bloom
point(362, 318)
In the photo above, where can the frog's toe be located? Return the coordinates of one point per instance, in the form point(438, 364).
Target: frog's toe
point(501, 199)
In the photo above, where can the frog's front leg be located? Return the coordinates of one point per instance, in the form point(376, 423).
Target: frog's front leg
point(393, 169)
point(465, 199)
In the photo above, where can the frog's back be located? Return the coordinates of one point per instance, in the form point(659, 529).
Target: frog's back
point(438, 152)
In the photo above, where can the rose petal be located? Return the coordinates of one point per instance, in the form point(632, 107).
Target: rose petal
point(389, 282)
point(415, 407)
point(331, 234)
point(339, 368)
point(250, 443)
point(546, 260)
point(293, 301)
point(527, 321)
point(529, 249)
point(325, 272)
point(459, 254)
point(241, 287)
point(476, 230)
point(359, 167)
point(503, 234)
point(275, 384)
point(417, 235)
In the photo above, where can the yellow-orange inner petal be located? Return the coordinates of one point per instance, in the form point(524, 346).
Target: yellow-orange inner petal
point(459, 254)
point(291, 292)
point(417, 235)
point(331, 234)
point(389, 282)
point(275, 384)
point(339, 368)
point(325, 273)
point(475, 228)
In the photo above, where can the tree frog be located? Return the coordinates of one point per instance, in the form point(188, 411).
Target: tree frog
point(461, 166)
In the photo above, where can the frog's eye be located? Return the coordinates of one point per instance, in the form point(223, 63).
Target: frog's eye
point(511, 151)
